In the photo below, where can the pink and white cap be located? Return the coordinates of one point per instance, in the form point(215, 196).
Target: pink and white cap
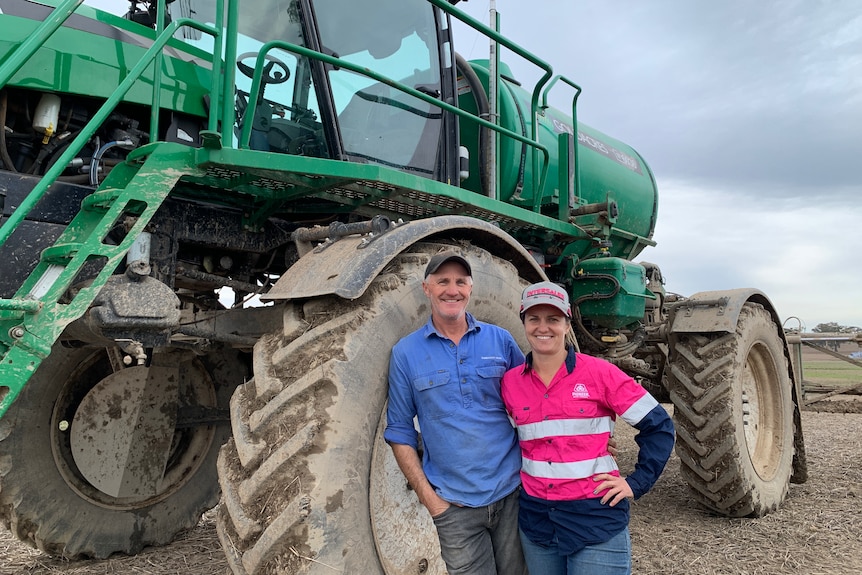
point(546, 293)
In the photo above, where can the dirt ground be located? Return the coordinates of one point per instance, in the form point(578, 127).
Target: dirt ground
point(817, 531)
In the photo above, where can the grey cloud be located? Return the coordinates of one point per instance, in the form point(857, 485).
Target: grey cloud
point(736, 92)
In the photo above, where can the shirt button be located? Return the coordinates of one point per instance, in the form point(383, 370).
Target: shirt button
point(546, 396)
point(461, 361)
point(464, 380)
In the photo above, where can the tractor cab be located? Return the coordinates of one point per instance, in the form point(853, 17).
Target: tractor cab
point(304, 106)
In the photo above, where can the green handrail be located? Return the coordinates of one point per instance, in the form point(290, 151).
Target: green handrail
point(98, 118)
point(256, 82)
point(561, 78)
point(534, 100)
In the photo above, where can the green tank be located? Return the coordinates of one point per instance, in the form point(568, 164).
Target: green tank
point(606, 167)
point(611, 290)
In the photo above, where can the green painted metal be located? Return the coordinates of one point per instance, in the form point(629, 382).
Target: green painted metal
point(499, 39)
point(614, 291)
point(28, 47)
point(605, 165)
point(28, 331)
point(78, 62)
point(558, 174)
point(98, 118)
point(31, 322)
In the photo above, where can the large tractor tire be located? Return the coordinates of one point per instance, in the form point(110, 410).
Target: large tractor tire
point(309, 485)
point(733, 410)
point(50, 491)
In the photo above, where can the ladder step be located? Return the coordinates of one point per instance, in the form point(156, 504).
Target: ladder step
point(101, 199)
point(34, 318)
point(60, 254)
point(25, 305)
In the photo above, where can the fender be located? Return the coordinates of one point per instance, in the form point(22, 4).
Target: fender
point(718, 311)
point(347, 267)
point(714, 311)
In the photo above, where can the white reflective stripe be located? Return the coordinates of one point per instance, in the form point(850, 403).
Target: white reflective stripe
point(573, 470)
point(564, 427)
point(639, 410)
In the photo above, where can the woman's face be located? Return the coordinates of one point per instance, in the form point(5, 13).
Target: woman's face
point(546, 328)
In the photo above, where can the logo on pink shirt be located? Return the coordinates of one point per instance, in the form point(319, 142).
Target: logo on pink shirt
point(580, 391)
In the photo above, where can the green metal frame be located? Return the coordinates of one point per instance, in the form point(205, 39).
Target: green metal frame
point(34, 318)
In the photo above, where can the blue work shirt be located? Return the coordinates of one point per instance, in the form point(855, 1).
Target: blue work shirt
point(471, 455)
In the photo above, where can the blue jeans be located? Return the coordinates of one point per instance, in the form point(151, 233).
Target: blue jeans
point(613, 557)
point(482, 540)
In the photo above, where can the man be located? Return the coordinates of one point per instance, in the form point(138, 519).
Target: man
point(448, 374)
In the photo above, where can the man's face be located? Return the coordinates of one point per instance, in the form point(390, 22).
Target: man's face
point(448, 290)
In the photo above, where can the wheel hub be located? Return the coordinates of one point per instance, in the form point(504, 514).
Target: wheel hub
point(122, 431)
point(396, 511)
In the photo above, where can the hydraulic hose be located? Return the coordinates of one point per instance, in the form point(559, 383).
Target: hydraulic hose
point(483, 108)
point(4, 152)
point(578, 319)
point(97, 157)
point(522, 166)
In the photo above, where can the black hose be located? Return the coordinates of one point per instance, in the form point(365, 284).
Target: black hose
point(483, 111)
point(522, 166)
point(578, 318)
point(4, 152)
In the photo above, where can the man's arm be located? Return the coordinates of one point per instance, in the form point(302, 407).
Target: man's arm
point(408, 461)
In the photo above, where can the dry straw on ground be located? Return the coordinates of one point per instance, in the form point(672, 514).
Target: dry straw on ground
point(817, 531)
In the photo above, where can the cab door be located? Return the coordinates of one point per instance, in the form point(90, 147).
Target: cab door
point(407, 41)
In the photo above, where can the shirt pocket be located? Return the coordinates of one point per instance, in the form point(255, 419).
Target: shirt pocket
point(523, 414)
point(488, 385)
point(582, 408)
point(436, 396)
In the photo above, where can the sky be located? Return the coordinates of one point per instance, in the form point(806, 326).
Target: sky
point(750, 116)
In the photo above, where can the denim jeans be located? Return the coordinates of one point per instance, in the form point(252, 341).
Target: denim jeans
point(613, 557)
point(482, 540)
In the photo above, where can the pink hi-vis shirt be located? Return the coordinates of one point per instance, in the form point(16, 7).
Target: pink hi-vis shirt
point(564, 429)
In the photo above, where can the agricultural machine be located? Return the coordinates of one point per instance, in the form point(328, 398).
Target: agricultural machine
point(215, 217)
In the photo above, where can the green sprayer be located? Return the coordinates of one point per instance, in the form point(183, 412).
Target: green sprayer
point(215, 218)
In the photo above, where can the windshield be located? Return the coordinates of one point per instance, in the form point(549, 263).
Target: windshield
point(395, 38)
point(287, 117)
point(374, 122)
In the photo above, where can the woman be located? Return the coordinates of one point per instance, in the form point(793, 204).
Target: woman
point(574, 506)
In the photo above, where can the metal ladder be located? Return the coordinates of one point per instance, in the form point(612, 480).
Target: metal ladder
point(35, 317)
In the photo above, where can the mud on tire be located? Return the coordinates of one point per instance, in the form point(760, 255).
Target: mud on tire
point(297, 474)
point(47, 502)
point(733, 411)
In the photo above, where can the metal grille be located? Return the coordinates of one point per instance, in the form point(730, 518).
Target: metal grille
point(269, 184)
point(409, 203)
point(223, 173)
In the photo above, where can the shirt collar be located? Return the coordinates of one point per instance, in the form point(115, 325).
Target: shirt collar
point(570, 361)
point(472, 325)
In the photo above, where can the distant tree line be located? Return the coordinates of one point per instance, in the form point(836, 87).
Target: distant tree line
point(834, 327)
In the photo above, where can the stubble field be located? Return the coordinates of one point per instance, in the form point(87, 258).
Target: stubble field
point(817, 531)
